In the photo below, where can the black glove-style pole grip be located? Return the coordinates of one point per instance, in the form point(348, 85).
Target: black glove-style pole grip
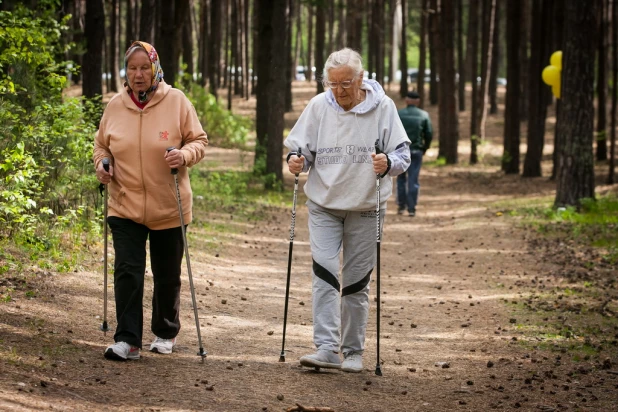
point(174, 170)
point(105, 162)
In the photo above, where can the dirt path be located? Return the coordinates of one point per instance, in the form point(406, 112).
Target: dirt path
point(453, 280)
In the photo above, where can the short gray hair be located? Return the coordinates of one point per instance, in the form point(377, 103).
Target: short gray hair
point(343, 57)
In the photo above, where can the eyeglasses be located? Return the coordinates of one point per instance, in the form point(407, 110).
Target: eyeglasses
point(346, 84)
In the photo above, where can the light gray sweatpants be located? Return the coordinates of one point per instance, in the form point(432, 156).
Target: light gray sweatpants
point(341, 302)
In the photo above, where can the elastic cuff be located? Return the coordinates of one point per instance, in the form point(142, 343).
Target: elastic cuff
point(388, 166)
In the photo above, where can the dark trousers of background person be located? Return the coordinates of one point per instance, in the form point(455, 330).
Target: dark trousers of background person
point(410, 199)
point(166, 251)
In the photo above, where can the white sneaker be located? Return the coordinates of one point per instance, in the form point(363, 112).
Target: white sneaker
point(322, 359)
point(122, 351)
point(353, 362)
point(161, 345)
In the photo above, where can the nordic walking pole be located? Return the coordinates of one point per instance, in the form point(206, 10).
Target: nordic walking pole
point(287, 285)
point(378, 368)
point(104, 326)
point(201, 353)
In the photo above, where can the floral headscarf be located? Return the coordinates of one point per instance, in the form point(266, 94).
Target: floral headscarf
point(157, 71)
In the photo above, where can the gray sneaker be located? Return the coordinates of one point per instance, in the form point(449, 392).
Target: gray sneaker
point(163, 346)
point(353, 362)
point(122, 351)
point(322, 359)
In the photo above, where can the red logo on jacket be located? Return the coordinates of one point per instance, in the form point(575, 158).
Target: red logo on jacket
point(163, 135)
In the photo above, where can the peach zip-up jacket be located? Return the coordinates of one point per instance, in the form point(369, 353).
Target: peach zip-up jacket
point(142, 188)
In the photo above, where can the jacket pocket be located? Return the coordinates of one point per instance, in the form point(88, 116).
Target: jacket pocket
point(161, 203)
point(128, 203)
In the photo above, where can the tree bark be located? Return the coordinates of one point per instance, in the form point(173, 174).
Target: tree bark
point(537, 90)
point(448, 115)
point(129, 26)
point(203, 43)
point(612, 146)
point(461, 84)
point(489, 9)
point(112, 54)
point(309, 72)
point(403, 50)
point(94, 32)
point(147, 22)
point(576, 126)
point(524, 60)
point(271, 88)
point(510, 157)
point(433, 53)
point(472, 51)
point(320, 35)
point(495, 62)
point(187, 45)
point(601, 130)
point(214, 46)
point(422, 53)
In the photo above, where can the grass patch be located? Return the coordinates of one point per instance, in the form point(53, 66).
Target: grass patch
point(594, 225)
point(240, 194)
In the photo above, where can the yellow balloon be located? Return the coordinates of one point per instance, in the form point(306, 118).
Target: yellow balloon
point(556, 91)
point(556, 59)
point(551, 75)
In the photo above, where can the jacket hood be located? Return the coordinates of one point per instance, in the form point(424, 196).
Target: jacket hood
point(374, 95)
point(159, 94)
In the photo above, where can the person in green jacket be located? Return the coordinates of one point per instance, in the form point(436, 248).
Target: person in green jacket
point(417, 124)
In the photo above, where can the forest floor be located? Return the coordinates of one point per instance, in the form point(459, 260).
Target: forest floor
point(479, 312)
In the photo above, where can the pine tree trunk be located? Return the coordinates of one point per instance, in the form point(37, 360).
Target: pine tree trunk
point(472, 51)
point(94, 32)
point(130, 30)
point(403, 50)
point(147, 22)
point(271, 89)
point(576, 127)
point(448, 120)
point(342, 24)
point(601, 130)
point(612, 146)
point(433, 53)
point(422, 53)
point(320, 37)
point(486, 48)
point(187, 45)
point(524, 60)
point(510, 157)
point(309, 72)
point(537, 90)
point(290, 73)
point(461, 84)
point(203, 43)
point(495, 63)
point(214, 46)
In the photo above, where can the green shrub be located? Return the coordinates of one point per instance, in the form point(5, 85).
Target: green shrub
point(224, 128)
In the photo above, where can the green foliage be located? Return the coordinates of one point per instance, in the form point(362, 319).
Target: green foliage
point(29, 42)
point(46, 179)
point(224, 128)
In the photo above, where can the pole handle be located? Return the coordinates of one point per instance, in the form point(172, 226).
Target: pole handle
point(169, 149)
point(105, 162)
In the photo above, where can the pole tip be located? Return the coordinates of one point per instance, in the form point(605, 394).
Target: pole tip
point(104, 327)
point(378, 370)
point(202, 353)
point(282, 358)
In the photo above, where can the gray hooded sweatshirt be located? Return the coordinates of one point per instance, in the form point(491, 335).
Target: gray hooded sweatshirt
point(337, 146)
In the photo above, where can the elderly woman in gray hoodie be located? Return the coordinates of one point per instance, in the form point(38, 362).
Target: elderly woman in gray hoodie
point(337, 133)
